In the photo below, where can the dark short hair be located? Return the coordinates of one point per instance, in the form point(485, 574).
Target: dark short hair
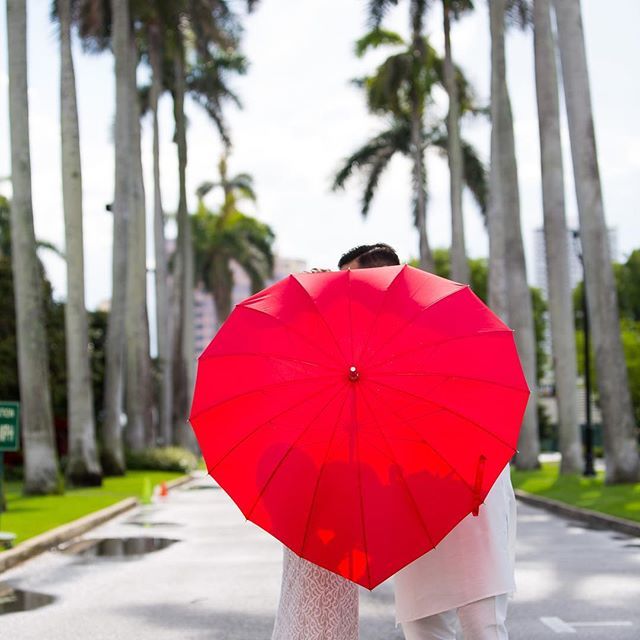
point(370, 255)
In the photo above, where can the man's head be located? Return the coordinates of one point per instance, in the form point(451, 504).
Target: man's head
point(369, 255)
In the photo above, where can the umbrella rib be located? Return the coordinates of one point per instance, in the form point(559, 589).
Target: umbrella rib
point(380, 306)
point(405, 484)
point(421, 310)
point(358, 466)
point(274, 385)
point(440, 455)
point(419, 374)
point(262, 424)
point(317, 312)
point(315, 489)
point(288, 327)
point(448, 410)
point(288, 451)
point(266, 355)
point(350, 314)
point(414, 349)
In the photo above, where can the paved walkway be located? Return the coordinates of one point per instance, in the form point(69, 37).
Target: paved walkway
point(221, 582)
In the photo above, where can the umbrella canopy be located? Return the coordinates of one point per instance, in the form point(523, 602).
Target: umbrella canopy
point(358, 416)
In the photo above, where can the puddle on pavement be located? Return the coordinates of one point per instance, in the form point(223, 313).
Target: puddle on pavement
point(201, 487)
point(151, 523)
point(16, 600)
point(116, 547)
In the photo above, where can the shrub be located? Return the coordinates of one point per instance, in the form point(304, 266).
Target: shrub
point(162, 459)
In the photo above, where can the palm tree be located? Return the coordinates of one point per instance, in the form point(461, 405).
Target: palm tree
point(164, 325)
point(140, 432)
point(621, 451)
point(412, 67)
point(392, 90)
point(459, 264)
point(230, 235)
point(123, 207)
point(83, 466)
point(508, 277)
point(40, 458)
point(210, 27)
point(389, 93)
point(372, 158)
point(556, 243)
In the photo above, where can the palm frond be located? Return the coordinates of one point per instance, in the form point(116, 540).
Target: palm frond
point(378, 10)
point(519, 13)
point(376, 169)
point(377, 38)
point(475, 176)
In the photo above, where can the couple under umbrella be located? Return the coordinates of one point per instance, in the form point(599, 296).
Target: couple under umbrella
point(366, 418)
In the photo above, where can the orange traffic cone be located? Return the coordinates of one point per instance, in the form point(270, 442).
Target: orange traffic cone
point(164, 492)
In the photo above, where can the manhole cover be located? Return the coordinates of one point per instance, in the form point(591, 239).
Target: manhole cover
point(15, 600)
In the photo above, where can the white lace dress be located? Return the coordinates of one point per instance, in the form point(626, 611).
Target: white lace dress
point(315, 604)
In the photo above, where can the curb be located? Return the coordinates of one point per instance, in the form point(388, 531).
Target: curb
point(592, 518)
point(52, 538)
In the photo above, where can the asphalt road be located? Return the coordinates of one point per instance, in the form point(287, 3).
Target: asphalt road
point(221, 581)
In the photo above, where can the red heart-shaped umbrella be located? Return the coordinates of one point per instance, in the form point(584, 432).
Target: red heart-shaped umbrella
point(358, 416)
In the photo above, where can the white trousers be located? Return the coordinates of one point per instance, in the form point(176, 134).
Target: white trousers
point(480, 620)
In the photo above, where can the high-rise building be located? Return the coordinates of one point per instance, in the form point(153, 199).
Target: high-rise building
point(575, 267)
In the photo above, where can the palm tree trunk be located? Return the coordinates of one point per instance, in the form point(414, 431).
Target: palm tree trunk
point(520, 311)
point(620, 443)
point(163, 316)
point(556, 244)
point(459, 265)
point(496, 209)
point(83, 467)
point(113, 454)
point(185, 345)
point(40, 458)
point(222, 287)
point(138, 377)
point(418, 143)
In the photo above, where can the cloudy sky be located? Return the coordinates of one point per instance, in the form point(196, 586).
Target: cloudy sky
point(301, 116)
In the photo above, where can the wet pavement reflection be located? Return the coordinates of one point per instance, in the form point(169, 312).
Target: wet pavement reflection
point(151, 523)
point(16, 600)
point(116, 547)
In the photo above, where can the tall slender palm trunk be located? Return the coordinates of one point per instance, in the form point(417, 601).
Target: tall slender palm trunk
point(556, 242)
point(83, 467)
point(164, 324)
point(418, 144)
point(496, 209)
point(40, 458)
point(139, 431)
point(184, 348)
point(113, 454)
point(519, 306)
point(620, 443)
point(459, 264)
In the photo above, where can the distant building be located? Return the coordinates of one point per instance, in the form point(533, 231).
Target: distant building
point(575, 267)
point(204, 315)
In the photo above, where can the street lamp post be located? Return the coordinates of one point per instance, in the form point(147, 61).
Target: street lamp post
point(589, 469)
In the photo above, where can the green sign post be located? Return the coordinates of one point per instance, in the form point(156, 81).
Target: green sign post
point(9, 426)
point(9, 437)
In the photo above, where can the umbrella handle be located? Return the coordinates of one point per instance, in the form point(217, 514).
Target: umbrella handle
point(477, 487)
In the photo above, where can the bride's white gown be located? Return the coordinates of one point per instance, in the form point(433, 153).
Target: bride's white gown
point(315, 604)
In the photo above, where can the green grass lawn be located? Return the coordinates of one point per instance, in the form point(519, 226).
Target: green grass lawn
point(27, 516)
point(589, 493)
